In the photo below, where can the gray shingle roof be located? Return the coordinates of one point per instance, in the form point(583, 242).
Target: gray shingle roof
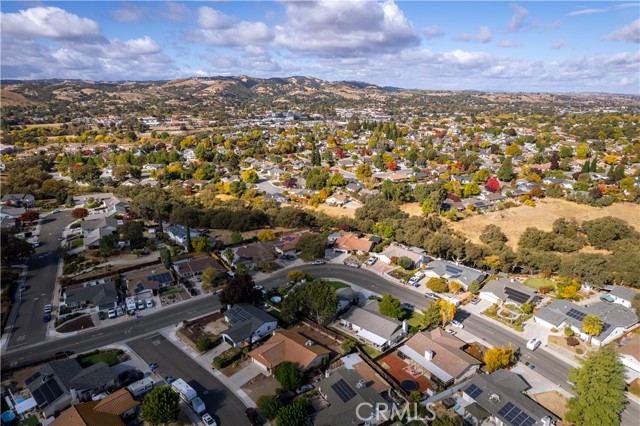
point(371, 320)
point(449, 270)
point(624, 293)
point(99, 294)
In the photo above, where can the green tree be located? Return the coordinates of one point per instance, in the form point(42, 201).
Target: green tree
point(295, 414)
point(363, 172)
point(493, 235)
point(13, 248)
point(288, 376)
point(505, 172)
point(431, 317)
point(598, 388)
point(471, 189)
point(160, 406)
point(474, 287)
point(315, 299)
point(268, 406)
point(296, 276)
point(201, 245)
point(447, 420)
point(348, 346)
point(165, 257)
point(390, 306)
point(236, 237)
point(204, 344)
point(108, 245)
point(312, 245)
point(592, 325)
point(132, 231)
point(405, 262)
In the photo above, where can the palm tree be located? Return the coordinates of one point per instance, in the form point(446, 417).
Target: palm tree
point(447, 310)
point(592, 325)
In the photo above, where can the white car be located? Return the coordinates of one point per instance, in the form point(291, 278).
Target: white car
point(149, 303)
point(371, 261)
point(456, 323)
point(319, 262)
point(140, 305)
point(112, 313)
point(47, 309)
point(208, 420)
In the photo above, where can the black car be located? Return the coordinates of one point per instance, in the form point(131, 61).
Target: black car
point(46, 317)
point(102, 315)
point(63, 354)
point(130, 376)
point(252, 415)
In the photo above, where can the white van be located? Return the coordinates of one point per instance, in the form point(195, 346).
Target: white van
point(198, 405)
point(131, 303)
point(533, 344)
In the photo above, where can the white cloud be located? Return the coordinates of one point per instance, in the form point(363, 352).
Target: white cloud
point(220, 29)
point(129, 13)
point(215, 20)
point(334, 28)
point(558, 44)
point(508, 44)
point(586, 12)
point(484, 35)
point(47, 22)
point(432, 32)
point(629, 33)
point(517, 19)
point(175, 12)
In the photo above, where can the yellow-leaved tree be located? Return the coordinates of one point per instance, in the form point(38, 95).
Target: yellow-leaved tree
point(447, 310)
point(499, 357)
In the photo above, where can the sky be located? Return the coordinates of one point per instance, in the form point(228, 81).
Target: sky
point(542, 46)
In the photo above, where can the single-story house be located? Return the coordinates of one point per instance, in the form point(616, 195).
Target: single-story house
point(337, 200)
point(150, 278)
point(254, 253)
point(287, 345)
point(19, 200)
point(101, 294)
point(441, 355)
point(418, 257)
point(622, 295)
point(186, 268)
point(110, 410)
point(352, 243)
point(453, 272)
point(508, 291)
point(499, 398)
point(616, 318)
point(278, 198)
point(630, 353)
point(247, 324)
point(373, 327)
point(286, 244)
point(178, 233)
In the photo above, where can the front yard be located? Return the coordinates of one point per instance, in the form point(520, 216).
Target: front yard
point(537, 282)
point(508, 315)
point(110, 356)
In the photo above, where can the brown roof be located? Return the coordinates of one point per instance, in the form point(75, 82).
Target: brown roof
point(140, 277)
point(199, 264)
point(370, 375)
point(290, 346)
point(352, 242)
point(288, 242)
point(84, 415)
point(632, 347)
point(117, 403)
point(447, 350)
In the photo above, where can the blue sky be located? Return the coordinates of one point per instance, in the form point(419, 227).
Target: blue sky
point(548, 46)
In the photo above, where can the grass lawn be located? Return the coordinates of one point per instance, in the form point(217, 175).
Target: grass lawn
point(30, 421)
point(338, 284)
point(370, 351)
point(536, 283)
point(415, 319)
point(110, 357)
point(77, 243)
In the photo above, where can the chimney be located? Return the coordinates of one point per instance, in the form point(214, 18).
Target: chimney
point(546, 421)
point(428, 354)
point(405, 326)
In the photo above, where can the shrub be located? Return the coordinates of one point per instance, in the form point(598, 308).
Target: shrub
point(554, 330)
point(405, 262)
point(568, 331)
point(439, 285)
point(454, 287)
point(573, 341)
point(227, 357)
point(526, 308)
point(579, 351)
point(203, 345)
point(347, 346)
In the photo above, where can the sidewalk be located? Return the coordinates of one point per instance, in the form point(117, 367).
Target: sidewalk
point(15, 308)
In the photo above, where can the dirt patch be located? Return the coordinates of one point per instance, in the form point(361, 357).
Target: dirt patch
point(319, 338)
point(334, 211)
point(561, 341)
point(225, 197)
point(235, 367)
point(261, 385)
point(81, 323)
point(224, 235)
point(553, 401)
point(195, 330)
point(412, 209)
point(514, 221)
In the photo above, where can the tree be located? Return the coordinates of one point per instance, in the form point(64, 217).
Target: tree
point(296, 276)
point(447, 310)
point(79, 213)
point(513, 149)
point(474, 287)
point(316, 178)
point(160, 406)
point(29, 216)
point(492, 234)
point(236, 237)
point(266, 235)
point(405, 262)
point(439, 285)
point(209, 275)
point(471, 189)
point(312, 245)
point(288, 376)
point(493, 185)
point(447, 420)
point(204, 344)
point(108, 245)
point(165, 257)
point(499, 357)
point(250, 176)
point(598, 388)
point(505, 172)
point(295, 414)
point(132, 231)
point(201, 245)
point(431, 316)
point(347, 346)
point(315, 299)
point(363, 172)
point(390, 306)
point(86, 173)
point(268, 406)
point(240, 289)
point(592, 325)
point(13, 248)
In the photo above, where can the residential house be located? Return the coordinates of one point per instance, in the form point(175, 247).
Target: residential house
point(337, 200)
point(100, 294)
point(286, 244)
point(10, 215)
point(498, 398)
point(178, 233)
point(616, 318)
point(247, 325)
point(94, 229)
point(191, 267)
point(254, 254)
point(111, 410)
point(19, 200)
point(354, 187)
point(505, 290)
point(131, 182)
point(148, 280)
point(441, 355)
point(622, 295)
point(288, 345)
point(453, 272)
point(58, 384)
point(354, 392)
point(371, 326)
point(352, 243)
point(630, 353)
point(278, 198)
point(418, 256)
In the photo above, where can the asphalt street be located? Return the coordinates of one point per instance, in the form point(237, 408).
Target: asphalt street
point(221, 403)
point(29, 328)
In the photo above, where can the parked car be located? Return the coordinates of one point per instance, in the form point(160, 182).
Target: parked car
point(149, 303)
point(23, 288)
point(208, 420)
point(303, 389)
point(63, 354)
point(432, 296)
point(141, 305)
point(37, 244)
point(475, 301)
point(55, 211)
point(354, 265)
point(112, 313)
point(457, 323)
point(102, 316)
point(533, 344)
point(252, 415)
point(47, 309)
point(119, 311)
point(46, 317)
point(371, 261)
point(319, 262)
point(130, 376)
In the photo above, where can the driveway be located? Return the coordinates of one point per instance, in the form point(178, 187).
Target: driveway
point(247, 373)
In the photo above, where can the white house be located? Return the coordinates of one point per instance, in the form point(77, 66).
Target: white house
point(178, 233)
point(371, 326)
point(247, 324)
point(623, 295)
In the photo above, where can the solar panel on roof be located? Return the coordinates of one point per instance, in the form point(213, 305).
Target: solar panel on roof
point(516, 295)
point(473, 391)
point(46, 392)
point(343, 390)
point(529, 422)
point(37, 395)
point(576, 315)
point(505, 409)
point(32, 378)
point(452, 269)
point(605, 327)
point(55, 388)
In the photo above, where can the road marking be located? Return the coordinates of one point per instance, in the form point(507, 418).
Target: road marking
point(127, 331)
point(156, 342)
point(21, 338)
point(13, 364)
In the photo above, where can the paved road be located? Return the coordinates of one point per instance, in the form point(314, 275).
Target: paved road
point(41, 280)
point(220, 401)
point(91, 339)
